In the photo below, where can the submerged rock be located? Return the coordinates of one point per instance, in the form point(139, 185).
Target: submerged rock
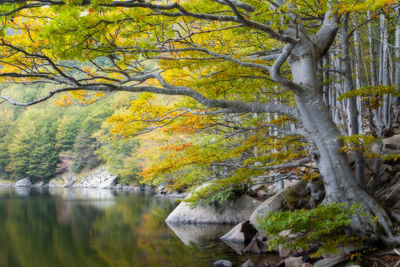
point(234, 213)
point(26, 182)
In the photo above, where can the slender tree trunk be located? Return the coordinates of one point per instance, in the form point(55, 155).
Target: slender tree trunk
point(372, 69)
point(359, 80)
point(385, 78)
point(397, 63)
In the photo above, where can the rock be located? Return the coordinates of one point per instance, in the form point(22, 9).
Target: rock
point(224, 263)
point(294, 262)
point(97, 178)
point(248, 263)
point(39, 184)
point(391, 145)
point(241, 233)
point(330, 262)
point(245, 239)
point(275, 203)
point(284, 253)
point(26, 182)
point(307, 264)
point(256, 246)
point(235, 213)
point(109, 183)
point(389, 194)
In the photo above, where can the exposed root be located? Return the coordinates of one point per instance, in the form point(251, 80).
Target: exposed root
point(372, 220)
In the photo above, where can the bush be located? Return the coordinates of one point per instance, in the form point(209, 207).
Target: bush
point(322, 227)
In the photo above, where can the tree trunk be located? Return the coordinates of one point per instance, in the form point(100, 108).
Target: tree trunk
point(397, 63)
point(352, 104)
point(340, 183)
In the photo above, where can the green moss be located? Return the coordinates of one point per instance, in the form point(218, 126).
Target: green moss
point(322, 227)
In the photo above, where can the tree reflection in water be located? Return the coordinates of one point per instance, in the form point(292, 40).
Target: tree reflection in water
point(81, 229)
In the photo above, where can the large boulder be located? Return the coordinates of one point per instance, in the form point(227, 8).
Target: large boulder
point(278, 201)
point(26, 182)
point(96, 178)
point(109, 183)
point(234, 213)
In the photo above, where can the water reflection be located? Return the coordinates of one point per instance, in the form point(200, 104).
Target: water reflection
point(98, 228)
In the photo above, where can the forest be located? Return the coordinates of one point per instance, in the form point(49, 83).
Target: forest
point(225, 93)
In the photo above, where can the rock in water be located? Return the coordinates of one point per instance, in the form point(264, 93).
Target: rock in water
point(23, 183)
point(223, 263)
point(241, 233)
point(245, 239)
point(235, 213)
point(109, 183)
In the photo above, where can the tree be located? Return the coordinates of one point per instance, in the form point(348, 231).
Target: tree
point(224, 54)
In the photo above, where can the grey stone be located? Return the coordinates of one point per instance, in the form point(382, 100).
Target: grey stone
point(256, 246)
point(391, 145)
point(241, 233)
point(26, 182)
point(224, 263)
point(330, 262)
point(207, 214)
point(294, 262)
point(284, 253)
point(248, 263)
point(275, 203)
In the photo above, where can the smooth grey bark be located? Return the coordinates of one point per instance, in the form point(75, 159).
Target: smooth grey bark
point(385, 77)
point(359, 80)
point(397, 63)
point(340, 183)
point(352, 102)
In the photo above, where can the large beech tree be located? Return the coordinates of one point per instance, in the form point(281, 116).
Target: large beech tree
point(229, 56)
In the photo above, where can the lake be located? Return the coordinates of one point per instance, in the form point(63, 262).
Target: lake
point(93, 228)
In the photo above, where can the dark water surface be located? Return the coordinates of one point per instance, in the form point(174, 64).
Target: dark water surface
point(93, 228)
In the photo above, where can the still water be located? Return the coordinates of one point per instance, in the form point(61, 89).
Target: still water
point(93, 228)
